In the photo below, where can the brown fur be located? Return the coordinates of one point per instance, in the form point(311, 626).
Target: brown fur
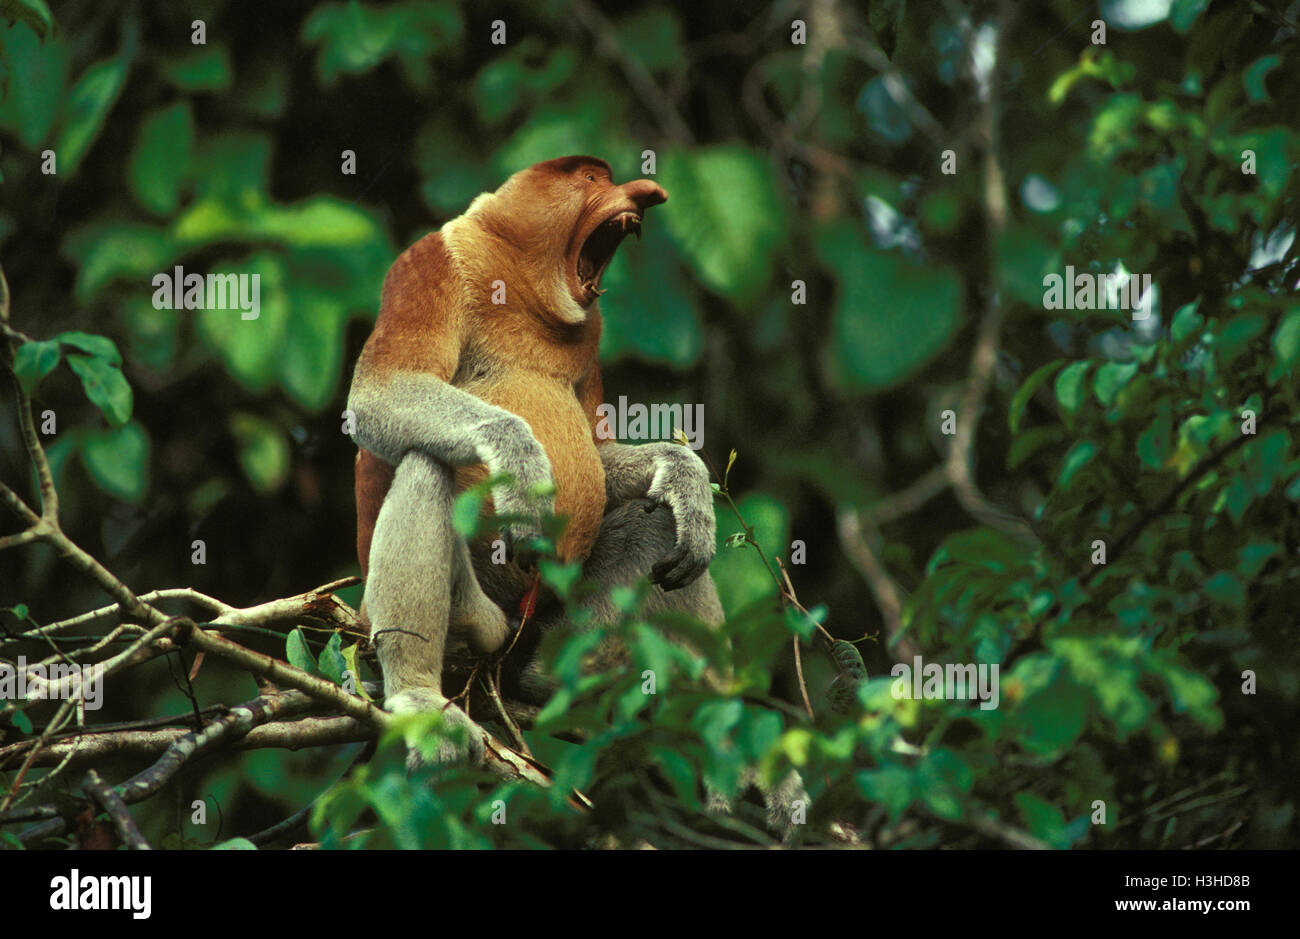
point(535, 355)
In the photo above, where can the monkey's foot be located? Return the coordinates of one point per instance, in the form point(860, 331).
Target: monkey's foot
point(455, 722)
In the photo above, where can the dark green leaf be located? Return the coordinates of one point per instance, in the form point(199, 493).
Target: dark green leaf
point(32, 12)
point(105, 386)
point(118, 460)
point(100, 347)
point(298, 654)
point(88, 104)
point(331, 663)
point(160, 160)
point(1070, 386)
point(33, 361)
point(1026, 391)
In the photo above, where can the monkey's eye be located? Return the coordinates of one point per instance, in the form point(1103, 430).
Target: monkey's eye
point(590, 178)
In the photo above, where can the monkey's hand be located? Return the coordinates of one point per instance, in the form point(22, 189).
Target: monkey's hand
point(512, 450)
point(681, 481)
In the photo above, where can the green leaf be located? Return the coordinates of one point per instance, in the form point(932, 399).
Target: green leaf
point(1225, 588)
point(467, 509)
point(1044, 820)
point(891, 787)
point(161, 158)
point(105, 386)
point(118, 461)
point(1232, 339)
point(1286, 345)
point(891, 315)
point(1187, 323)
point(1255, 76)
point(679, 772)
point(354, 669)
point(1191, 693)
point(233, 171)
point(1026, 391)
point(1184, 13)
point(498, 88)
point(207, 68)
point(1266, 459)
point(653, 37)
point(1154, 444)
point(715, 719)
point(252, 349)
point(1255, 556)
point(1024, 259)
point(1070, 386)
point(298, 654)
point(263, 451)
point(311, 360)
point(88, 104)
point(110, 251)
point(562, 578)
point(1052, 718)
point(33, 361)
point(740, 576)
point(32, 12)
point(1111, 379)
point(235, 844)
point(941, 779)
point(581, 126)
point(100, 347)
point(21, 721)
point(331, 662)
point(1029, 442)
point(727, 233)
point(354, 38)
point(36, 80)
point(649, 312)
point(1079, 456)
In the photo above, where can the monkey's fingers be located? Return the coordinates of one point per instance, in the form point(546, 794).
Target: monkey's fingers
point(680, 568)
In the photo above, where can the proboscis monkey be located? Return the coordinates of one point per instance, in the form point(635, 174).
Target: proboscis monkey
point(483, 361)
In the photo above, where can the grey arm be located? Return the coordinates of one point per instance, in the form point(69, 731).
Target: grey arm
point(421, 412)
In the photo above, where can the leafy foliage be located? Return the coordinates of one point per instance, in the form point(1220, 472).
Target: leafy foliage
point(1161, 682)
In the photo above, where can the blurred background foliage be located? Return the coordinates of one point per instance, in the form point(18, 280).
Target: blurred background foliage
point(784, 163)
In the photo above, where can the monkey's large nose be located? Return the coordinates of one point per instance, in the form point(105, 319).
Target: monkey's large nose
point(645, 193)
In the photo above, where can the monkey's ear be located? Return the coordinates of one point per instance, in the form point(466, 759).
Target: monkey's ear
point(420, 313)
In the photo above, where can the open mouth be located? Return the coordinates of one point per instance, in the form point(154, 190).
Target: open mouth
point(598, 250)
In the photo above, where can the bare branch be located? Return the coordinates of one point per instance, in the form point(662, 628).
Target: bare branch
point(655, 99)
point(859, 538)
point(112, 803)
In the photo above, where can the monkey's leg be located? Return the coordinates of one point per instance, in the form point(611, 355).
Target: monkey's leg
point(634, 536)
point(632, 540)
point(408, 593)
point(472, 613)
